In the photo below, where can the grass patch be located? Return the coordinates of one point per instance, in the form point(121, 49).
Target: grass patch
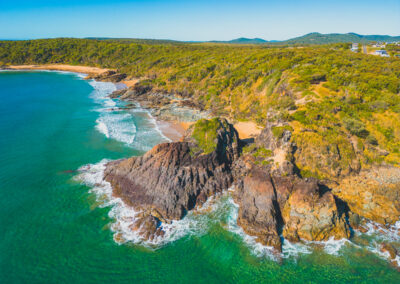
point(205, 134)
point(278, 131)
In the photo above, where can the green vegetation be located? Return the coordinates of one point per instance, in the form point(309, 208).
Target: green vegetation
point(278, 131)
point(393, 50)
point(356, 127)
point(205, 134)
point(333, 99)
point(262, 153)
point(317, 38)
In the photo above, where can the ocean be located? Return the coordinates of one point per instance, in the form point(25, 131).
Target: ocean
point(60, 224)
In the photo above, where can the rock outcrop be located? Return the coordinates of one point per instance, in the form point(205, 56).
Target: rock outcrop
point(173, 178)
point(389, 249)
point(373, 194)
point(259, 212)
point(273, 200)
point(163, 105)
point(108, 76)
point(311, 214)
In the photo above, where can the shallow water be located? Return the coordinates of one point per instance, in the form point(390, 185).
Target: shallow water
point(55, 229)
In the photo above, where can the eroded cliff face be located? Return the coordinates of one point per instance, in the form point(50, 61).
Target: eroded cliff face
point(174, 178)
point(311, 214)
point(373, 194)
point(275, 201)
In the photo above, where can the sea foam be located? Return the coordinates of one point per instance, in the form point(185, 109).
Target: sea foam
point(121, 124)
point(194, 223)
point(220, 209)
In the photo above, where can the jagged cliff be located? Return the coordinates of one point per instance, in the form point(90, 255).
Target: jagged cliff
point(174, 178)
point(274, 199)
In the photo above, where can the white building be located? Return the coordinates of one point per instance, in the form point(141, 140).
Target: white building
point(354, 47)
point(382, 53)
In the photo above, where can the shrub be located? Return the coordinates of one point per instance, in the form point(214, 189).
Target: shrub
point(278, 131)
point(372, 140)
point(356, 127)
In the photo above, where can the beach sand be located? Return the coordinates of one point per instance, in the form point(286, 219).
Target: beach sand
point(61, 67)
point(174, 130)
point(247, 129)
point(130, 82)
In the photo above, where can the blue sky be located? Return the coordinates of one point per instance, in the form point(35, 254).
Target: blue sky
point(195, 20)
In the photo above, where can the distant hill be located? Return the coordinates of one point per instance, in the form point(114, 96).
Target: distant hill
point(243, 40)
point(311, 38)
point(317, 38)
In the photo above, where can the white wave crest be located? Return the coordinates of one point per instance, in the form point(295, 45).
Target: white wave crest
point(118, 126)
point(255, 247)
point(122, 125)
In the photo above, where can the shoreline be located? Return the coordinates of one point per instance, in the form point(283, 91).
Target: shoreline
point(87, 70)
point(60, 67)
point(173, 130)
point(245, 130)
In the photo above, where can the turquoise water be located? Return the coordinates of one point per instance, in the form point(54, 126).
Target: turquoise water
point(54, 230)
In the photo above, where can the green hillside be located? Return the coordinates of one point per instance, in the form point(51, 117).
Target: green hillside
point(317, 38)
point(343, 106)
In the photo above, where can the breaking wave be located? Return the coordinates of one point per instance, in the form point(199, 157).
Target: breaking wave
point(133, 127)
point(220, 209)
point(194, 223)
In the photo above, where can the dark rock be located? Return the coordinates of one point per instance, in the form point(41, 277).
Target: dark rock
point(108, 76)
point(170, 180)
point(117, 93)
point(259, 213)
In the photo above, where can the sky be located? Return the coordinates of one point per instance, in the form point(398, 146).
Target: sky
point(195, 20)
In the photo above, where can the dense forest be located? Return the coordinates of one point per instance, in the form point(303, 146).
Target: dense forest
point(339, 103)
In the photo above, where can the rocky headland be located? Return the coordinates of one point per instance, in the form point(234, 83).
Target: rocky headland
point(275, 201)
point(165, 106)
point(173, 178)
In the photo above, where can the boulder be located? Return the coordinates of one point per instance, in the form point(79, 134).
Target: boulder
point(259, 213)
point(312, 215)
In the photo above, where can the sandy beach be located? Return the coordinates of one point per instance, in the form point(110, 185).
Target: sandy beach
point(174, 130)
point(247, 129)
point(61, 67)
point(71, 68)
